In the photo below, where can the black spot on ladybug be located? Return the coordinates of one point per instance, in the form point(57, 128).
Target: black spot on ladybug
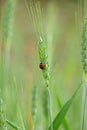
point(42, 65)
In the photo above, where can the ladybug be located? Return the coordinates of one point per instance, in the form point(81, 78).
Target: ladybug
point(42, 65)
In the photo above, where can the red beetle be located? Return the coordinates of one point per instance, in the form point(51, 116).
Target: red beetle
point(42, 65)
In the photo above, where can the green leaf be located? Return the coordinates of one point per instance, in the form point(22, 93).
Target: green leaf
point(60, 116)
point(13, 125)
point(65, 121)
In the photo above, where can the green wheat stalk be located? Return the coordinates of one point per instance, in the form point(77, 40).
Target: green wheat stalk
point(45, 106)
point(84, 63)
point(34, 105)
point(36, 13)
point(15, 85)
point(7, 31)
point(2, 116)
point(8, 21)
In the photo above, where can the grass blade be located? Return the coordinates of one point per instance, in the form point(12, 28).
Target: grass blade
point(60, 116)
point(13, 125)
point(65, 121)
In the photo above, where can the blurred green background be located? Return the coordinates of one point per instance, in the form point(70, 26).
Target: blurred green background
point(63, 20)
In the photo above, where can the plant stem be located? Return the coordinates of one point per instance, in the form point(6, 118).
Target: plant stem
point(50, 107)
point(84, 107)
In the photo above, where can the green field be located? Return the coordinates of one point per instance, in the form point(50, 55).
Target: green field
point(43, 66)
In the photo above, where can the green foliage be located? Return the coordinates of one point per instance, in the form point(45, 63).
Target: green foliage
point(60, 116)
point(8, 21)
point(34, 102)
point(84, 46)
point(65, 121)
point(84, 61)
point(2, 114)
point(13, 125)
point(58, 49)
